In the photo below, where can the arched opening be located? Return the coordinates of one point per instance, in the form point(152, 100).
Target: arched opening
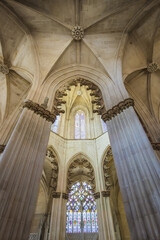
point(82, 106)
point(81, 210)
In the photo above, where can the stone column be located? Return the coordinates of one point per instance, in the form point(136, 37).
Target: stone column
point(63, 217)
point(20, 171)
point(108, 220)
point(55, 216)
point(58, 217)
point(105, 222)
point(46, 231)
point(138, 171)
point(100, 220)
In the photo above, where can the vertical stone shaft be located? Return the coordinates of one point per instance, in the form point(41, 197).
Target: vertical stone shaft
point(105, 222)
point(58, 219)
point(138, 172)
point(20, 173)
point(100, 220)
point(108, 221)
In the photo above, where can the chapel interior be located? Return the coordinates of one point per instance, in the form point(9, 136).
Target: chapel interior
point(80, 120)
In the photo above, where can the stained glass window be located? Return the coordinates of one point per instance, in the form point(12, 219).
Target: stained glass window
point(104, 126)
point(80, 132)
point(81, 209)
point(55, 125)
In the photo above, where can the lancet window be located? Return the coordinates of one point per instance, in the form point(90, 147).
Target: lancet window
point(81, 209)
point(80, 132)
point(55, 125)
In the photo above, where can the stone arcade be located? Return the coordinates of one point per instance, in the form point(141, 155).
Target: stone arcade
point(79, 120)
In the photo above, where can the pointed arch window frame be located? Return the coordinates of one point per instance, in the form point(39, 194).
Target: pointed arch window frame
point(81, 209)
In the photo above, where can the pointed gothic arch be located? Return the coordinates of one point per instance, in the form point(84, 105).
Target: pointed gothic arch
point(80, 169)
point(81, 205)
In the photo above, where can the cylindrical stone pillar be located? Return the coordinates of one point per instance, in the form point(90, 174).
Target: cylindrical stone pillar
point(55, 217)
point(20, 172)
point(58, 217)
point(63, 216)
point(138, 172)
point(99, 216)
point(107, 216)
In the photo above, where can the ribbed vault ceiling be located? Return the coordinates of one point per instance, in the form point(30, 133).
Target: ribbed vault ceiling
point(36, 40)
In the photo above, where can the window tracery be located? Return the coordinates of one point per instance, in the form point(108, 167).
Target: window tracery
point(81, 209)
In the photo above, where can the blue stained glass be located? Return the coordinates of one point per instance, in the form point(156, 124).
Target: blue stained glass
point(86, 208)
point(81, 200)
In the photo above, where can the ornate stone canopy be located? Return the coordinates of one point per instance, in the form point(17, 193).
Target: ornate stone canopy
point(80, 170)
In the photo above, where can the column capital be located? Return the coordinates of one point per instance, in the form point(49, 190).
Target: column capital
point(40, 110)
point(156, 146)
point(65, 196)
point(117, 109)
point(2, 147)
point(56, 194)
point(152, 67)
point(106, 193)
point(96, 195)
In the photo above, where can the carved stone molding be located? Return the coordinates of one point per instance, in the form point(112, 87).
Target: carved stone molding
point(58, 101)
point(2, 147)
point(50, 154)
point(77, 33)
point(105, 193)
point(107, 169)
point(152, 67)
point(54, 166)
point(156, 146)
point(65, 196)
point(96, 195)
point(56, 194)
point(3, 68)
point(80, 167)
point(40, 110)
point(95, 93)
point(120, 107)
point(97, 100)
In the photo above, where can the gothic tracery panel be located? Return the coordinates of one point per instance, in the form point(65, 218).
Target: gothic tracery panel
point(81, 209)
point(80, 169)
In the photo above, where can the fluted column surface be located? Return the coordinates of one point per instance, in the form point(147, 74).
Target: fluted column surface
point(20, 173)
point(105, 223)
point(138, 172)
point(58, 219)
